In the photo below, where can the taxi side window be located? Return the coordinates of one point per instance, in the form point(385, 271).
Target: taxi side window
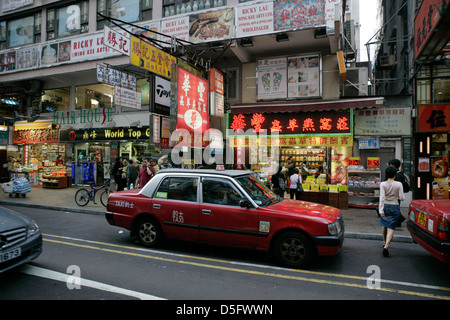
point(218, 191)
point(178, 188)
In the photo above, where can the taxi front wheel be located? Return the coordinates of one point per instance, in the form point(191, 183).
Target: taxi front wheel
point(148, 232)
point(294, 249)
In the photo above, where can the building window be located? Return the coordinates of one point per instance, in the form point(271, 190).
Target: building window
point(174, 7)
point(94, 96)
point(423, 91)
point(55, 100)
point(433, 85)
point(441, 90)
point(124, 10)
point(232, 84)
point(68, 21)
point(19, 32)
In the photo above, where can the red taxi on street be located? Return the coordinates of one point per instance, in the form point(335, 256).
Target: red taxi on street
point(428, 225)
point(229, 208)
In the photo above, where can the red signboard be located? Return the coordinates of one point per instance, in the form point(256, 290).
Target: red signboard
point(192, 102)
point(429, 15)
point(434, 117)
point(38, 135)
point(294, 123)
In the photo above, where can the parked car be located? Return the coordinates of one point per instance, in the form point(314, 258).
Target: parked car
point(229, 208)
point(20, 239)
point(428, 225)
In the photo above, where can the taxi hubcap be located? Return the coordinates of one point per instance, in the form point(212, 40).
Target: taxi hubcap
point(292, 250)
point(147, 232)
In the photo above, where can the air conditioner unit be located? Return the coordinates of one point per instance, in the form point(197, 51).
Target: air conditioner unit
point(387, 61)
point(357, 82)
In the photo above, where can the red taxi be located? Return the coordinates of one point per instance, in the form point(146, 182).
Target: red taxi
point(229, 208)
point(428, 225)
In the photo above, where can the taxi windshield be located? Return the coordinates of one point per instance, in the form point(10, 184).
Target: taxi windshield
point(260, 194)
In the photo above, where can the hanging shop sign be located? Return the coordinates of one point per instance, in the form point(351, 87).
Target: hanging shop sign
point(217, 92)
point(105, 134)
point(117, 41)
point(114, 77)
point(192, 102)
point(39, 133)
point(383, 122)
point(311, 123)
point(200, 27)
point(429, 15)
point(146, 56)
point(298, 14)
point(296, 141)
point(127, 98)
point(434, 117)
point(254, 19)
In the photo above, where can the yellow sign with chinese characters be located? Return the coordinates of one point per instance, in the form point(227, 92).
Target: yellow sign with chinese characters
point(146, 56)
point(301, 141)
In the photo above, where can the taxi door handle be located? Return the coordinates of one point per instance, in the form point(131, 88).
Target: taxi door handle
point(204, 211)
point(156, 206)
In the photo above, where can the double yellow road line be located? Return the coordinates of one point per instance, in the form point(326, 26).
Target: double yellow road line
point(230, 266)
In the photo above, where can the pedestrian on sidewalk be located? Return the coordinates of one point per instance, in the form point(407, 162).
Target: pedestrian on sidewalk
point(132, 174)
point(145, 173)
point(117, 174)
point(391, 192)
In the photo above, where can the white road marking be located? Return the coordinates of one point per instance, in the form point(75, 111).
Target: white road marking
point(58, 276)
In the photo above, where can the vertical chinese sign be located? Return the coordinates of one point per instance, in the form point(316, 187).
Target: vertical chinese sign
point(192, 102)
point(217, 92)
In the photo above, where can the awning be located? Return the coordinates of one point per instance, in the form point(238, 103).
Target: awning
point(309, 105)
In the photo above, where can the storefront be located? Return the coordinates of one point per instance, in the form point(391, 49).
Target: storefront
point(381, 135)
point(319, 133)
point(41, 156)
point(432, 145)
point(95, 149)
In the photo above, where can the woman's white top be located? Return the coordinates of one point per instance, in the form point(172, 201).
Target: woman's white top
point(390, 192)
point(295, 179)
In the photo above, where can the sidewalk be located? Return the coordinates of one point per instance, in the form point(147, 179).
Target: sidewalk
point(359, 223)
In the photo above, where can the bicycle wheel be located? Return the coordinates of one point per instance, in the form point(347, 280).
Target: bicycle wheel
point(82, 197)
point(104, 197)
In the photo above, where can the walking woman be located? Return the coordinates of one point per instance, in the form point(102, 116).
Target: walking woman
point(391, 192)
point(295, 179)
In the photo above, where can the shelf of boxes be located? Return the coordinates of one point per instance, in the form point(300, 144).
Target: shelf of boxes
point(363, 188)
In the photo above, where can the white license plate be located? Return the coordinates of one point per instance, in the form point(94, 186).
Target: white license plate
point(10, 255)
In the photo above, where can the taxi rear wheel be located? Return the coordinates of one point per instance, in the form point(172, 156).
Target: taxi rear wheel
point(294, 249)
point(148, 232)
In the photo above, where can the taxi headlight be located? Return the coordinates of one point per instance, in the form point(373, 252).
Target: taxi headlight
point(334, 228)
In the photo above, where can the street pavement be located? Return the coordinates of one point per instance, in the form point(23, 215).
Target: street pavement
point(359, 223)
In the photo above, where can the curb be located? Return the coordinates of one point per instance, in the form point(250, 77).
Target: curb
point(377, 237)
point(68, 209)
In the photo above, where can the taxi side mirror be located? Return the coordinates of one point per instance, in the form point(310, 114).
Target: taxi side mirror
point(244, 203)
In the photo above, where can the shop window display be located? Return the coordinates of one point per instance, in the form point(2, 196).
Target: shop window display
point(55, 100)
point(94, 96)
point(40, 166)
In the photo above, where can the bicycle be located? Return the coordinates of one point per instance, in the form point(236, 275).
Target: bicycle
point(83, 196)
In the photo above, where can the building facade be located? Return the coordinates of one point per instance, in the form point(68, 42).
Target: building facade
point(287, 67)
